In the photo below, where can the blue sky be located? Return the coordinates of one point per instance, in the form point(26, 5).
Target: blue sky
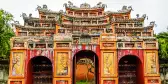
point(156, 10)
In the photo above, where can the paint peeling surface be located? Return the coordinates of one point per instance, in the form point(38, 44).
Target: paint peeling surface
point(137, 52)
point(49, 53)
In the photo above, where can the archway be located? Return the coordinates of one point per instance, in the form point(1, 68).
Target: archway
point(130, 70)
point(85, 67)
point(39, 71)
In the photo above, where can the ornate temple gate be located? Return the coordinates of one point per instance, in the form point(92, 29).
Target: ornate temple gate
point(59, 36)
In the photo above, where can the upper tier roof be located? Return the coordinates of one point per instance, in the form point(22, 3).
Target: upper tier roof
point(84, 6)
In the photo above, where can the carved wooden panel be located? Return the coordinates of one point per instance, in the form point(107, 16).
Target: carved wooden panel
point(108, 82)
point(62, 45)
point(108, 64)
point(150, 45)
point(62, 64)
point(62, 81)
point(151, 63)
point(153, 81)
point(18, 44)
point(108, 45)
point(15, 82)
point(17, 64)
point(108, 38)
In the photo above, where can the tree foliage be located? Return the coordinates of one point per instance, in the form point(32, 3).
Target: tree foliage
point(6, 32)
point(163, 44)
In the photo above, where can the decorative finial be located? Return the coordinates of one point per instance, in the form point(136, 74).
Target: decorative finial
point(38, 7)
point(144, 15)
point(65, 4)
point(137, 15)
point(30, 15)
point(23, 15)
point(130, 8)
point(45, 6)
point(124, 8)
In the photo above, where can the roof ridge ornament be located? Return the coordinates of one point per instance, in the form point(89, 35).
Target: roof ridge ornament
point(45, 7)
point(38, 7)
point(144, 16)
point(85, 5)
point(24, 15)
point(152, 23)
point(30, 15)
point(125, 8)
point(70, 4)
point(137, 15)
point(130, 8)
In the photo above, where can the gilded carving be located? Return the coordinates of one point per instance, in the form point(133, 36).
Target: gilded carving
point(108, 62)
point(17, 64)
point(151, 63)
point(62, 63)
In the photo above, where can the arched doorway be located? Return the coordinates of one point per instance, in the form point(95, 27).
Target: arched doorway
point(130, 70)
point(39, 71)
point(85, 67)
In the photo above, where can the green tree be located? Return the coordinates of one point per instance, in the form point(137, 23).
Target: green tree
point(163, 52)
point(163, 45)
point(6, 32)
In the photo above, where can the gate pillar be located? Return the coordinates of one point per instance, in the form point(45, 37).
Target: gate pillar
point(17, 62)
point(62, 59)
point(109, 70)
